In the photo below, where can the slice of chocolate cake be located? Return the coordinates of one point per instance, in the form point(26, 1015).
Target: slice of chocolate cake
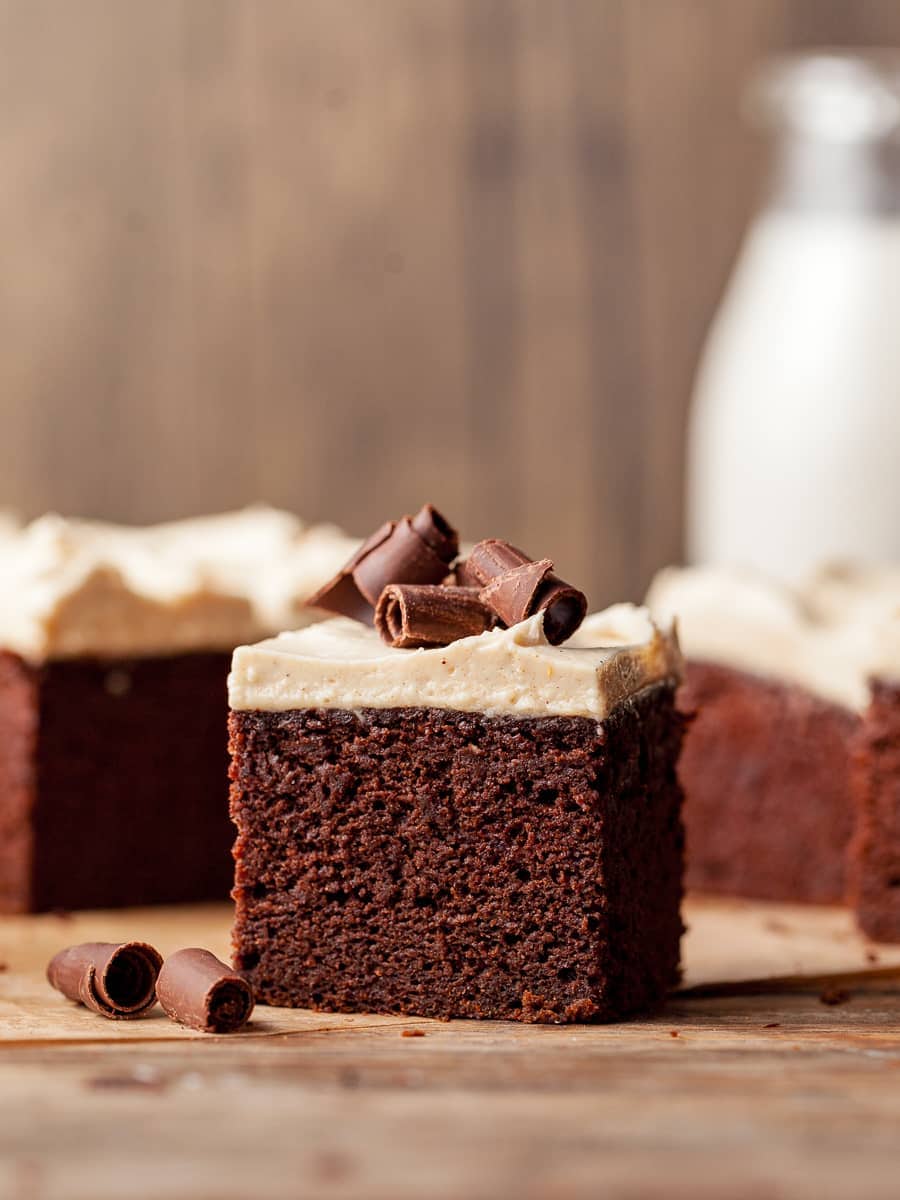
point(766, 764)
point(114, 651)
point(867, 602)
point(875, 851)
point(487, 828)
point(791, 768)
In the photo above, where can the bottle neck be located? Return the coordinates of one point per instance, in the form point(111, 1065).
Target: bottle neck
point(859, 178)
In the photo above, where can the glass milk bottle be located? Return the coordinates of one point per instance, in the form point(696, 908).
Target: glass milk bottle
point(794, 439)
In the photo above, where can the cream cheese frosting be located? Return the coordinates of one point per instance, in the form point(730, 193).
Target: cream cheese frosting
point(71, 588)
point(512, 672)
point(832, 635)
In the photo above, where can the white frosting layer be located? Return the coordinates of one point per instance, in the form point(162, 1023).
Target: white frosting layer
point(516, 672)
point(842, 593)
point(86, 588)
point(831, 636)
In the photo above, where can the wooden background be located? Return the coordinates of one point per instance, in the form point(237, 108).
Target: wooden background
point(347, 254)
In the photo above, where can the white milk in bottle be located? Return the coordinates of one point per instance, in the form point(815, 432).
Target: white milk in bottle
point(794, 441)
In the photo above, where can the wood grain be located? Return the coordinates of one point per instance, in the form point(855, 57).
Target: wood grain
point(764, 1092)
point(731, 942)
point(343, 254)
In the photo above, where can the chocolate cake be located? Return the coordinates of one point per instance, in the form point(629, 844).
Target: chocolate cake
point(765, 815)
point(114, 651)
point(788, 764)
point(875, 858)
point(486, 828)
point(865, 600)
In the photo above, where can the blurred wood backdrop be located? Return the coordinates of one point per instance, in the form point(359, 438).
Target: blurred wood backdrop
point(344, 255)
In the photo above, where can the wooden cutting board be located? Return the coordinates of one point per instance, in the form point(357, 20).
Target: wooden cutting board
point(749, 1085)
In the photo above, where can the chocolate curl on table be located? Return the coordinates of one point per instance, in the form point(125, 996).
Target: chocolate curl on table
point(116, 980)
point(410, 616)
point(515, 587)
point(417, 550)
point(199, 991)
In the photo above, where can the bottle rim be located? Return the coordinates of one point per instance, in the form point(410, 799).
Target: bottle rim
point(830, 94)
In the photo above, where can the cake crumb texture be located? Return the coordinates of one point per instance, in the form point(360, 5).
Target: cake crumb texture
point(447, 864)
point(876, 848)
point(766, 773)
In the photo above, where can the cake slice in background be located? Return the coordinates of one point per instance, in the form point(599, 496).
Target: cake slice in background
point(866, 603)
point(114, 650)
point(766, 763)
point(875, 860)
point(485, 828)
point(790, 766)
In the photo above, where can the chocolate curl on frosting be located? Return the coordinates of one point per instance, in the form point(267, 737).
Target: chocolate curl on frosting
point(416, 550)
point(464, 576)
point(515, 587)
point(116, 980)
point(437, 532)
point(199, 991)
point(409, 616)
point(341, 595)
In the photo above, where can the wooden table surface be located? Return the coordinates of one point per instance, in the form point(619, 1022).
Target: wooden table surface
point(749, 1085)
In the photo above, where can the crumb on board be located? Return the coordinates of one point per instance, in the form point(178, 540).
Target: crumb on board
point(674, 1033)
point(775, 926)
point(872, 957)
point(833, 996)
point(135, 1081)
point(412, 1033)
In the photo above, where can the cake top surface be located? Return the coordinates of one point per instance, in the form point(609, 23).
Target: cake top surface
point(831, 635)
point(72, 588)
point(342, 663)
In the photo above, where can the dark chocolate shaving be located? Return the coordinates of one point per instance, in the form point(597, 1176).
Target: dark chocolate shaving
point(416, 550)
point(198, 990)
point(116, 980)
point(341, 595)
point(564, 608)
point(513, 594)
point(410, 616)
point(464, 576)
point(404, 557)
point(491, 558)
point(516, 587)
point(434, 529)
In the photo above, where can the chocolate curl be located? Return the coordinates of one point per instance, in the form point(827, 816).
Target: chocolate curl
point(417, 550)
point(512, 595)
point(491, 558)
point(516, 587)
point(464, 576)
point(341, 595)
point(410, 616)
point(563, 606)
point(405, 557)
point(199, 991)
point(116, 980)
point(434, 529)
